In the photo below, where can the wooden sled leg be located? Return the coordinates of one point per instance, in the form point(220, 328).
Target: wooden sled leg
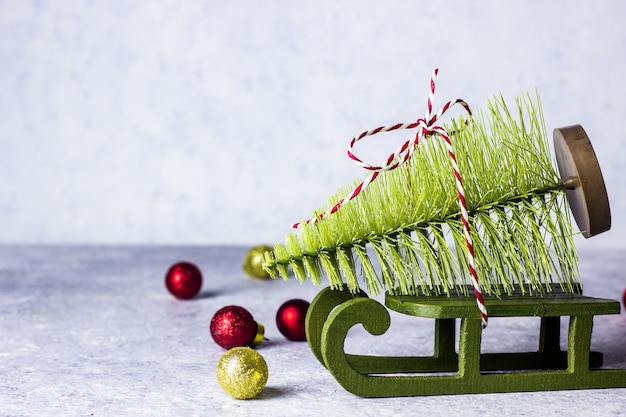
point(548, 356)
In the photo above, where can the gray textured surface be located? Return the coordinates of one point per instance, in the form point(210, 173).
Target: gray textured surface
point(92, 331)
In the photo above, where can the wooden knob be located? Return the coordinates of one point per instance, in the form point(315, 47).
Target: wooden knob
point(580, 172)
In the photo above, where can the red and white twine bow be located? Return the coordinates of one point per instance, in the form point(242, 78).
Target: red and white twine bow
point(425, 127)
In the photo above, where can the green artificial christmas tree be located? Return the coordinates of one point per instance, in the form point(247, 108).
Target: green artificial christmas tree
point(409, 218)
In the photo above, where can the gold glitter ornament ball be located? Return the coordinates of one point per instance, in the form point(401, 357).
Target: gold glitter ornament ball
point(253, 262)
point(242, 373)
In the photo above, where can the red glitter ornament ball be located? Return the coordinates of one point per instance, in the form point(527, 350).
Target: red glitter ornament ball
point(290, 319)
point(183, 280)
point(624, 298)
point(234, 326)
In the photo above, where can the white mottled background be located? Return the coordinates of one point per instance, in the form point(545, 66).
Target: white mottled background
point(220, 122)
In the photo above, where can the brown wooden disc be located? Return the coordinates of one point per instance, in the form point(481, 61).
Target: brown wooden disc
point(580, 171)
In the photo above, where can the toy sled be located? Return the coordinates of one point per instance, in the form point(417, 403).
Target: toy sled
point(332, 313)
point(504, 228)
point(468, 371)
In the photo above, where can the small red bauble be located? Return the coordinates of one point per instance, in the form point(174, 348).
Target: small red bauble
point(234, 326)
point(183, 280)
point(290, 319)
point(624, 297)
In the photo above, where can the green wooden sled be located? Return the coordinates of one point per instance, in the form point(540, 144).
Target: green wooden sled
point(332, 313)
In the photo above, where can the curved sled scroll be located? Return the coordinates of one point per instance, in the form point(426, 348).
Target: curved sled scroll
point(376, 320)
point(321, 306)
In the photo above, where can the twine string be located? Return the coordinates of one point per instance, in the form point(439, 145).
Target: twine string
point(425, 127)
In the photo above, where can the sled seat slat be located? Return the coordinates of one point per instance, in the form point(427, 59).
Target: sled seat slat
point(556, 305)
